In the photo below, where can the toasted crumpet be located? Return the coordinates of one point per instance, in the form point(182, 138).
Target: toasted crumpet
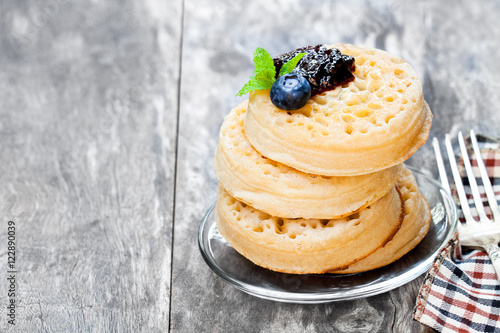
point(376, 121)
point(303, 246)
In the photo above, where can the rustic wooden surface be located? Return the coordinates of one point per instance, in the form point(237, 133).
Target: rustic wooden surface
point(109, 116)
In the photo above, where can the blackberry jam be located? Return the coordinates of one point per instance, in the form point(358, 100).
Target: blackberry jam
point(324, 69)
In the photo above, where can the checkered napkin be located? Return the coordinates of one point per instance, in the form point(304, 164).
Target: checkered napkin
point(460, 292)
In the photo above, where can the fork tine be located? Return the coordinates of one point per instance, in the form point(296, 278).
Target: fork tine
point(478, 201)
point(486, 180)
point(440, 163)
point(458, 182)
point(442, 173)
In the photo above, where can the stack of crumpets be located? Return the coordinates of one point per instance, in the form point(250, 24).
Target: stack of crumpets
point(323, 188)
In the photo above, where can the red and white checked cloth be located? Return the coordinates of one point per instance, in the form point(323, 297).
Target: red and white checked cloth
point(460, 292)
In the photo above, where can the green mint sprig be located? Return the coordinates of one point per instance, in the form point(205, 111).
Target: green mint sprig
point(264, 74)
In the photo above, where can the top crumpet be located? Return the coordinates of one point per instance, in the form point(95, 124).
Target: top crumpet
point(375, 121)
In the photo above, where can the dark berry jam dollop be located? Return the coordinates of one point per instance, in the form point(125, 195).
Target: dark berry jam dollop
point(324, 68)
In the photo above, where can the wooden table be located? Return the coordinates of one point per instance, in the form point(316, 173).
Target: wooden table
point(109, 117)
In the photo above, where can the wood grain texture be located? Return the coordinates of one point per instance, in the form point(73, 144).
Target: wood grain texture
point(88, 100)
point(109, 118)
point(455, 58)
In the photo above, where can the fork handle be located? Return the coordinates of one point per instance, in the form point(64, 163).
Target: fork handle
point(494, 253)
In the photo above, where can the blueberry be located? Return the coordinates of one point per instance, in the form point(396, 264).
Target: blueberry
point(290, 92)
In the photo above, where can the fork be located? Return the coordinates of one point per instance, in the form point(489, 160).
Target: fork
point(484, 233)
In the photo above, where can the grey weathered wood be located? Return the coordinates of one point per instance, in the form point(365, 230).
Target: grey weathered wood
point(88, 100)
point(452, 45)
point(100, 175)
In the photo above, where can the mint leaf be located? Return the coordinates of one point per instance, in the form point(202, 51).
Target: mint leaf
point(290, 64)
point(254, 84)
point(266, 77)
point(263, 61)
point(264, 74)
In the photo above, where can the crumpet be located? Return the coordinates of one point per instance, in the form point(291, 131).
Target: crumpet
point(282, 191)
point(376, 121)
point(303, 246)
